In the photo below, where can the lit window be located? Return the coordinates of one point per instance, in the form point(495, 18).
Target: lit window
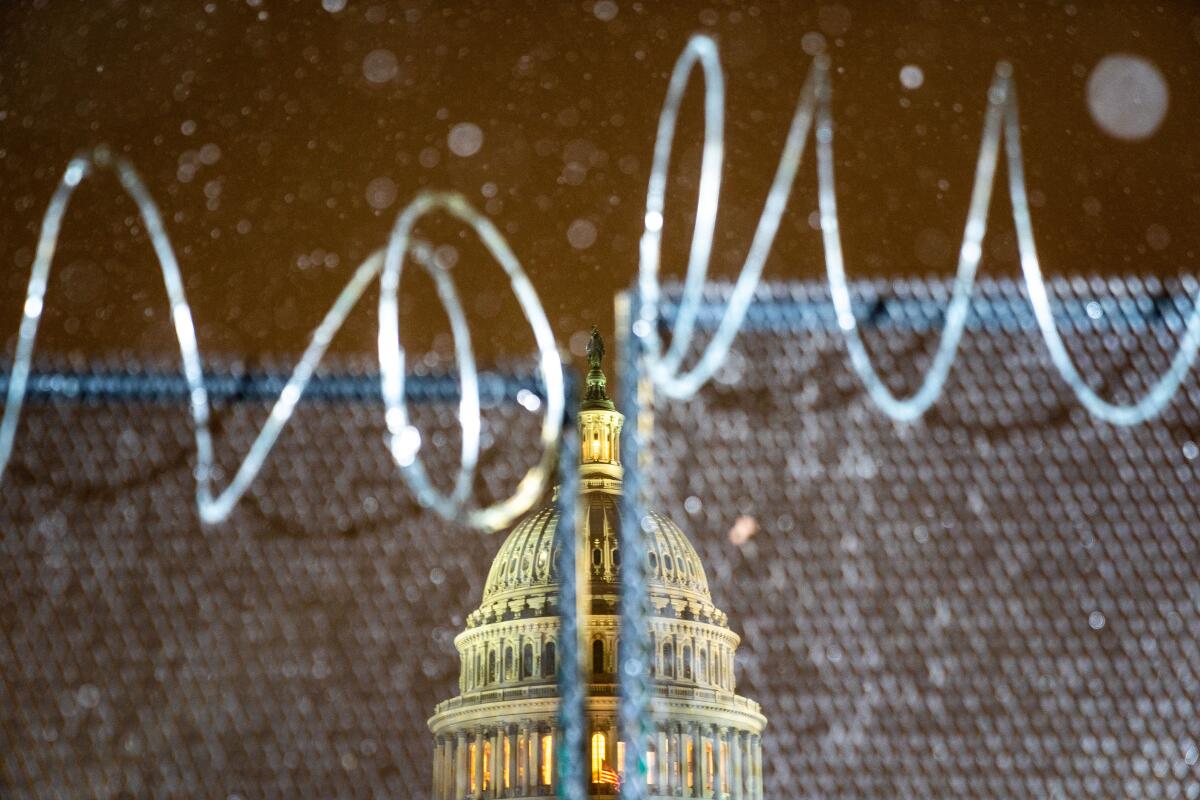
point(651, 763)
point(598, 746)
point(691, 763)
point(508, 759)
point(471, 761)
point(621, 757)
point(487, 765)
point(521, 760)
point(547, 758)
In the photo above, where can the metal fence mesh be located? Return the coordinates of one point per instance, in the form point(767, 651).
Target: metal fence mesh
point(1001, 600)
point(295, 651)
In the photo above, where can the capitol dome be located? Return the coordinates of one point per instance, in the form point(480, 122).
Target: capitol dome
point(526, 566)
point(498, 738)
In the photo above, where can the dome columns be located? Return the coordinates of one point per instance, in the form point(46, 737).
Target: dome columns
point(704, 760)
point(662, 760)
point(494, 761)
point(600, 441)
point(692, 759)
point(736, 743)
point(719, 751)
point(460, 766)
point(442, 755)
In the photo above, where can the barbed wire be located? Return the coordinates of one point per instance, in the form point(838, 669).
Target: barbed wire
point(665, 368)
point(814, 115)
point(387, 265)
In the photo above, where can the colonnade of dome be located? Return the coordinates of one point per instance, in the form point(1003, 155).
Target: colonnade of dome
point(500, 736)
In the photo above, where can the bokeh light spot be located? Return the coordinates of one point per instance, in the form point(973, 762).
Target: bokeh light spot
point(581, 234)
point(1127, 96)
point(605, 10)
point(380, 66)
point(912, 76)
point(465, 139)
point(381, 193)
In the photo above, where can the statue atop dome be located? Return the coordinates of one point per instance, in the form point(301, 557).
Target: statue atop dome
point(596, 395)
point(595, 349)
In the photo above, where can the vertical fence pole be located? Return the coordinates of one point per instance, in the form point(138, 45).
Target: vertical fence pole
point(634, 649)
point(572, 591)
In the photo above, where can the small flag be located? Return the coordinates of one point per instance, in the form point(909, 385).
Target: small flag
point(609, 775)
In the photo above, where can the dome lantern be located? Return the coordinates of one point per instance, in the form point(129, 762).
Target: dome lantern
point(599, 423)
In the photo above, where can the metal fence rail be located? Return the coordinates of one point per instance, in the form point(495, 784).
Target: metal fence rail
point(915, 590)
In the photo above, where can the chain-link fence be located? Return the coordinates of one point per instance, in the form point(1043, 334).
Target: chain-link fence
point(999, 600)
point(296, 650)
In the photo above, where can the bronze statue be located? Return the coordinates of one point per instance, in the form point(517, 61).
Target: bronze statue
point(596, 393)
point(595, 349)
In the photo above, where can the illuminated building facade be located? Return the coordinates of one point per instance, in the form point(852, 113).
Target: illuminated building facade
point(497, 739)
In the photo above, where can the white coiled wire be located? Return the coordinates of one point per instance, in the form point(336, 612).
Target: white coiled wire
point(814, 113)
point(405, 442)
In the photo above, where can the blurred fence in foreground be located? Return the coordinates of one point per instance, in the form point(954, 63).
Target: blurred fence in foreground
point(999, 600)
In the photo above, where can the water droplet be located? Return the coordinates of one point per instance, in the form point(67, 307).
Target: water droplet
point(465, 139)
point(605, 10)
point(380, 66)
point(209, 154)
point(381, 193)
point(812, 43)
point(1127, 96)
point(429, 157)
point(912, 77)
point(445, 256)
point(1158, 237)
point(581, 234)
